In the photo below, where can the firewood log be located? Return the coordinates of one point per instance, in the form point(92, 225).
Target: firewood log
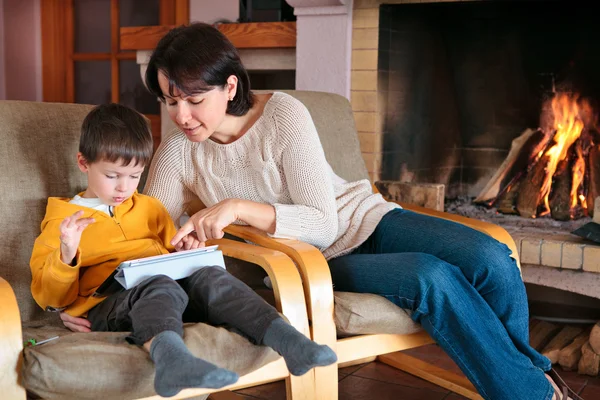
point(541, 333)
point(563, 338)
point(507, 202)
point(595, 338)
point(560, 197)
point(530, 193)
point(589, 364)
point(523, 151)
point(593, 174)
point(569, 357)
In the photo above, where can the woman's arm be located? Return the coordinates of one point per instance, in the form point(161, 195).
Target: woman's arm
point(312, 215)
point(258, 215)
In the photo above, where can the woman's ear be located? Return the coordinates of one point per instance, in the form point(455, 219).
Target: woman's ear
point(82, 162)
point(231, 86)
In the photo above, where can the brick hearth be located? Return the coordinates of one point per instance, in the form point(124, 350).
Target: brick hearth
point(550, 254)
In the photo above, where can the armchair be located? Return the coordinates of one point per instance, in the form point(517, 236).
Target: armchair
point(37, 160)
point(367, 326)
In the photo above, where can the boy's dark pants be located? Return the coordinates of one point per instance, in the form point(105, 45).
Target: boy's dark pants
point(210, 295)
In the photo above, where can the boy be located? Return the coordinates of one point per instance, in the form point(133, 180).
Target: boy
point(85, 238)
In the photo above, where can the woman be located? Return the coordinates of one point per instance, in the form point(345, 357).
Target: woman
point(257, 159)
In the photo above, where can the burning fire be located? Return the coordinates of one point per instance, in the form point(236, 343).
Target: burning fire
point(554, 169)
point(568, 125)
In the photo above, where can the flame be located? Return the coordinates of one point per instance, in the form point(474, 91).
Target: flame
point(583, 201)
point(568, 126)
point(578, 175)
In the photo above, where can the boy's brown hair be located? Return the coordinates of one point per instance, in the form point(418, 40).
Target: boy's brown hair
point(113, 132)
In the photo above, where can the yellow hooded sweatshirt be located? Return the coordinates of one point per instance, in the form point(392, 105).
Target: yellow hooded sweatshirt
point(140, 227)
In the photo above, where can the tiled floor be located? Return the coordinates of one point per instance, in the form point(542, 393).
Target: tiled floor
point(378, 381)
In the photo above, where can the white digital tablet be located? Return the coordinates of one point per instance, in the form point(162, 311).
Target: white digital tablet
point(176, 265)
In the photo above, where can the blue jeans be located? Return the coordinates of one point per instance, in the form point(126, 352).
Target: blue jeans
point(464, 290)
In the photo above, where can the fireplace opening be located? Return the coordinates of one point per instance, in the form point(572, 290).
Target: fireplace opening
point(461, 81)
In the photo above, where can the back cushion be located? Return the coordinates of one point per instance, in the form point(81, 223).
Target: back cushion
point(333, 118)
point(37, 160)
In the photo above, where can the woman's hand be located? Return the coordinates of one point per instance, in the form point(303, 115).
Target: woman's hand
point(189, 242)
point(207, 223)
point(76, 324)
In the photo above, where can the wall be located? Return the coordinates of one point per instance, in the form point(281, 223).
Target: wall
point(210, 11)
point(368, 103)
point(22, 50)
point(323, 65)
point(2, 75)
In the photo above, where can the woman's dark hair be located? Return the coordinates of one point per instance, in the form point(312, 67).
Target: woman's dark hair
point(113, 132)
point(198, 58)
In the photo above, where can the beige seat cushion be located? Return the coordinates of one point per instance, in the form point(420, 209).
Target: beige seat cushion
point(102, 365)
point(363, 313)
point(355, 313)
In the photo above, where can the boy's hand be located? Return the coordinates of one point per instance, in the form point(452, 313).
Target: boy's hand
point(189, 242)
point(71, 229)
point(76, 324)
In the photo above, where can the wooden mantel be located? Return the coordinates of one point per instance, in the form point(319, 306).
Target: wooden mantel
point(252, 35)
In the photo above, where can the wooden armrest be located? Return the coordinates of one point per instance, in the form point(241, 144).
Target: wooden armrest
point(495, 231)
point(11, 344)
point(287, 285)
point(315, 274)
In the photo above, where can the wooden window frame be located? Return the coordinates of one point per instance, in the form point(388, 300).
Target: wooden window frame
point(58, 45)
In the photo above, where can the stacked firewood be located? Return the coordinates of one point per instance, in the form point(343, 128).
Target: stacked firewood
point(516, 187)
point(573, 347)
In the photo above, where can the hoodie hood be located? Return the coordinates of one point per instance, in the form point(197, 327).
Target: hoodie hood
point(60, 208)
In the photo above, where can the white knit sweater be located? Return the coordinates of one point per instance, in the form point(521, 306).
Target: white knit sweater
point(279, 161)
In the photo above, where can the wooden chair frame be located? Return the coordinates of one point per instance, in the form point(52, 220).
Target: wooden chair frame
point(318, 291)
point(289, 298)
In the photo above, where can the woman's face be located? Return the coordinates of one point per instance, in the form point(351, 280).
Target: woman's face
point(198, 116)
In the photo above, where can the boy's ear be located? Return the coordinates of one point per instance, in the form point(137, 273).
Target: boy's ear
point(82, 163)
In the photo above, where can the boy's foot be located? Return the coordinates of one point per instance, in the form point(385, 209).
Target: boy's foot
point(178, 369)
point(299, 352)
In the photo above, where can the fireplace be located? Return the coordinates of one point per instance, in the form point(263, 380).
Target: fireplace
point(461, 80)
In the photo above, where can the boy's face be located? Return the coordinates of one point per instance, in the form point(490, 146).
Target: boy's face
point(111, 182)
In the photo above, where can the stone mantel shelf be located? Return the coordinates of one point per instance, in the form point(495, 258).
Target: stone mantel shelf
point(253, 35)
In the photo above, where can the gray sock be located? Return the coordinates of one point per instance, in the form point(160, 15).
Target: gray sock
point(178, 369)
point(299, 352)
